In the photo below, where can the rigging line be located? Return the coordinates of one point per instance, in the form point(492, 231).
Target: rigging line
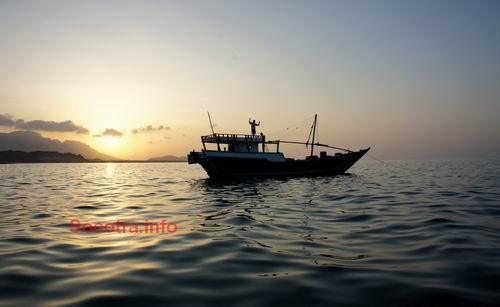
point(317, 133)
point(296, 125)
point(383, 162)
point(316, 144)
point(309, 137)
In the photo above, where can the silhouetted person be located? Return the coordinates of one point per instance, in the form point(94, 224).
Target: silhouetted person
point(253, 124)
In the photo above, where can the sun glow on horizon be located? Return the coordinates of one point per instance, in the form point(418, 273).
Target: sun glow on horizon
point(110, 140)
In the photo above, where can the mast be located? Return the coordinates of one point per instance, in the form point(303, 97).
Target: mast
point(212, 127)
point(314, 133)
point(210, 120)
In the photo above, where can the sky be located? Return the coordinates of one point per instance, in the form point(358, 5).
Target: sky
point(134, 79)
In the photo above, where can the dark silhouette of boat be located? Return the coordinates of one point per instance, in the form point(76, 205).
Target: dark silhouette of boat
point(245, 155)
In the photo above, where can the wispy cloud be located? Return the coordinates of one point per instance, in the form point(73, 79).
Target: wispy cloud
point(110, 132)
point(150, 129)
point(7, 120)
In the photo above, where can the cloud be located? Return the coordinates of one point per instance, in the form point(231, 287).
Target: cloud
point(6, 120)
point(110, 132)
point(42, 125)
point(150, 129)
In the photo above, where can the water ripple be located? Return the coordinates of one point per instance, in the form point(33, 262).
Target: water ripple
point(419, 233)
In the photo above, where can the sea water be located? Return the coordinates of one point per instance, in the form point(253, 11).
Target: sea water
point(400, 233)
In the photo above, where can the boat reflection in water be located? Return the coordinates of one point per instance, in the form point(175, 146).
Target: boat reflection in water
point(243, 155)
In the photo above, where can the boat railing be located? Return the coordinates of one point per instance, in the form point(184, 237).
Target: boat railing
point(224, 138)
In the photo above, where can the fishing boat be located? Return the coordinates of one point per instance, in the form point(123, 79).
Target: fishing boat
point(247, 155)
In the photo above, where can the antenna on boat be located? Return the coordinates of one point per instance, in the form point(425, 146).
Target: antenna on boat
point(210, 120)
point(314, 133)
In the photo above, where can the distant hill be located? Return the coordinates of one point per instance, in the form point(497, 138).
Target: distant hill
point(12, 156)
point(31, 141)
point(169, 158)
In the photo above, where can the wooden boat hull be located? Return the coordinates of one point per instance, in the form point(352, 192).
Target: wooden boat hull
point(234, 167)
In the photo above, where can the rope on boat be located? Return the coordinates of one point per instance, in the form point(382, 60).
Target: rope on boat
point(383, 162)
point(316, 144)
point(295, 125)
point(308, 142)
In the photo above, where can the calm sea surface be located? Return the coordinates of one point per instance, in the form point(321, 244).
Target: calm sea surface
point(400, 233)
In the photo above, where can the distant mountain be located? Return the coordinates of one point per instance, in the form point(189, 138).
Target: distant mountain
point(169, 158)
point(11, 156)
point(31, 141)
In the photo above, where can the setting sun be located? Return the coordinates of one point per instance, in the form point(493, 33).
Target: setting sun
point(110, 140)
